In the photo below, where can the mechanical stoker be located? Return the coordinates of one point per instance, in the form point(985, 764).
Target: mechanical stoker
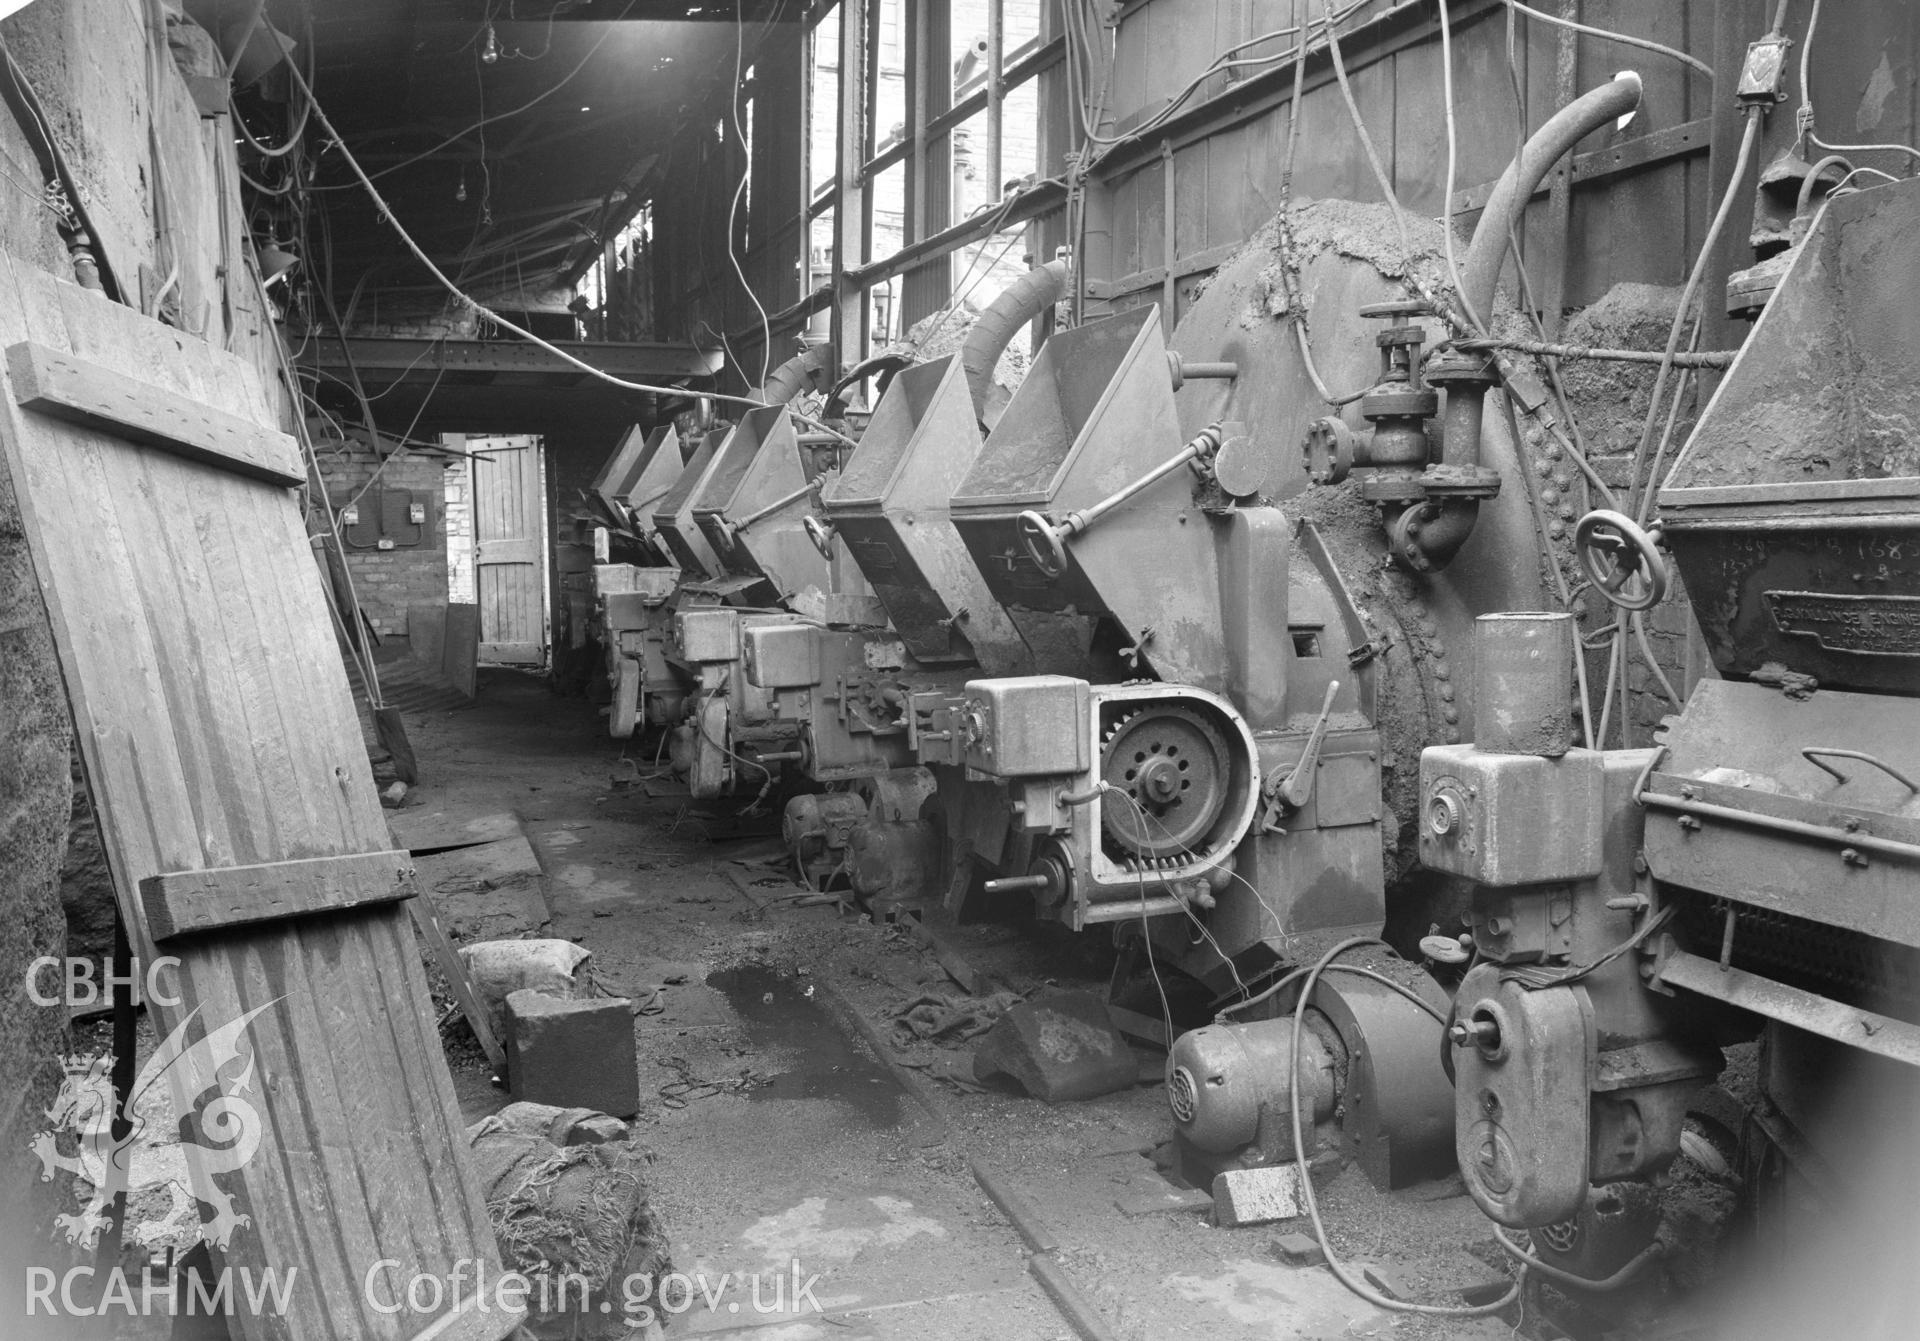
point(632, 482)
point(1115, 547)
point(1121, 801)
point(1754, 873)
point(849, 683)
point(889, 510)
point(634, 613)
point(630, 594)
point(1367, 1078)
point(731, 734)
point(1569, 1076)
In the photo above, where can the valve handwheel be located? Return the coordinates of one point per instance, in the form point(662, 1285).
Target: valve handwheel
point(820, 534)
point(1043, 543)
point(1621, 559)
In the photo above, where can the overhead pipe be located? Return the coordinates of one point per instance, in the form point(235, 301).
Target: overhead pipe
point(1487, 253)
point(1029, 295)
point(1427, 535)
point(794, 376)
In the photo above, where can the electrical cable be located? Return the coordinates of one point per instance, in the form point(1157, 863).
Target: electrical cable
point(1360, 129)
point(1639, 625)
point(1222, 63)
point(1334, 1264)
point(746, 171)
point(1652, 1252)
point(1642, 491)
point(1711, 358)
point(21, 96)
point(295, 131)
point(1446, 221)
point(1666, 434)
point(612, 28)
point(1606, 35)
point(600, 374)
point(1108, 789)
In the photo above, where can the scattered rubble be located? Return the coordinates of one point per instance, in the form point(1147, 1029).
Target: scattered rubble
point(1060, 1048)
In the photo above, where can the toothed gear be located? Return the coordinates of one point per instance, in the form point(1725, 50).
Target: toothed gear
point(1173, 763)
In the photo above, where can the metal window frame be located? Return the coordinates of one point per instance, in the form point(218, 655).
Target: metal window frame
point(930, 232)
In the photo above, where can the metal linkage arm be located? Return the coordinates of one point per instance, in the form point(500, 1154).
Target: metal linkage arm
point(1046, 539)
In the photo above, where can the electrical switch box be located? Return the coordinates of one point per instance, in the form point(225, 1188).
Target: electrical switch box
point(707, 635)
point(1028, 726)
point(782, 656)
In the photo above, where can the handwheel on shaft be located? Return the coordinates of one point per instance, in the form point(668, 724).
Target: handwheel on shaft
point(821, 534)
point(1044, 543)
point(1621, 559)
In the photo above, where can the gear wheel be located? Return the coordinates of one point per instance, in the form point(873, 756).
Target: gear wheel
point(1173, 763)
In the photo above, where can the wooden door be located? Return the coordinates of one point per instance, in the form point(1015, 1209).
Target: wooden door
point(509, 549)
point(240, 825)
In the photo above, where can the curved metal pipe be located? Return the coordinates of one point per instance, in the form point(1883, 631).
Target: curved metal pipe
point(980, 354)
point(1487, 253)
point(793, 377)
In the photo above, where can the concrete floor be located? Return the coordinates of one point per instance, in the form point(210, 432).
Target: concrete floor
point(811, 1157)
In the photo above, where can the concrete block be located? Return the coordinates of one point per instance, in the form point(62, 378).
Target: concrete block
point(1059, 1048)
point(572, 1054)
point(1384, 1279)
point(1299, 1250)
point(1257, 1196)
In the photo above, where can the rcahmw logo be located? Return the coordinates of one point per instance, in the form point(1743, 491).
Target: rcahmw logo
point(210, 1078)
point(78, 985)
point(82, 1292)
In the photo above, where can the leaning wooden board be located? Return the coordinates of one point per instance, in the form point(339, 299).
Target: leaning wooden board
point(220, 742)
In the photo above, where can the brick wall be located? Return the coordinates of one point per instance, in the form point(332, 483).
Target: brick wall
point(457, 481)
point(388, 581)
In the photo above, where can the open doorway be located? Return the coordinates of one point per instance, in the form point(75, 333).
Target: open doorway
point(497, 543)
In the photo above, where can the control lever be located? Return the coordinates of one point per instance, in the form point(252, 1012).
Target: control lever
point(1046, 539)
point(1285, 794)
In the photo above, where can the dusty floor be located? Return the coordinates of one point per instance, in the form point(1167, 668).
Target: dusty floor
point(805, 1154)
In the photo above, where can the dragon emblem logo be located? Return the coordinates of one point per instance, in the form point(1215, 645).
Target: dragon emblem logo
point(216, 1065)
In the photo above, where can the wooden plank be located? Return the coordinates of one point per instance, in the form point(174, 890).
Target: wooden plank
point(217, 732)
point(427, 918)
point(181, 902)
point(58, 384)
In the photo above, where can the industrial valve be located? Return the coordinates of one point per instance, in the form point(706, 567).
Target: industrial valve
point(1429, 502)
point(1622, 560)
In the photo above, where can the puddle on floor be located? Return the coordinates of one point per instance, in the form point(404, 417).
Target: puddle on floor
point(777, 1013)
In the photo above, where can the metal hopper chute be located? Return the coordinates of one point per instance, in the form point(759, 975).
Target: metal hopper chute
point(890, 508)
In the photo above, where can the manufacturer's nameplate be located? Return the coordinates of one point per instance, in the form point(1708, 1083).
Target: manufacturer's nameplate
point(1887, 626)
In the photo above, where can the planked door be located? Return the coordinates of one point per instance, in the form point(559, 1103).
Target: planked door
point(237, 810)
point(509, 549)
